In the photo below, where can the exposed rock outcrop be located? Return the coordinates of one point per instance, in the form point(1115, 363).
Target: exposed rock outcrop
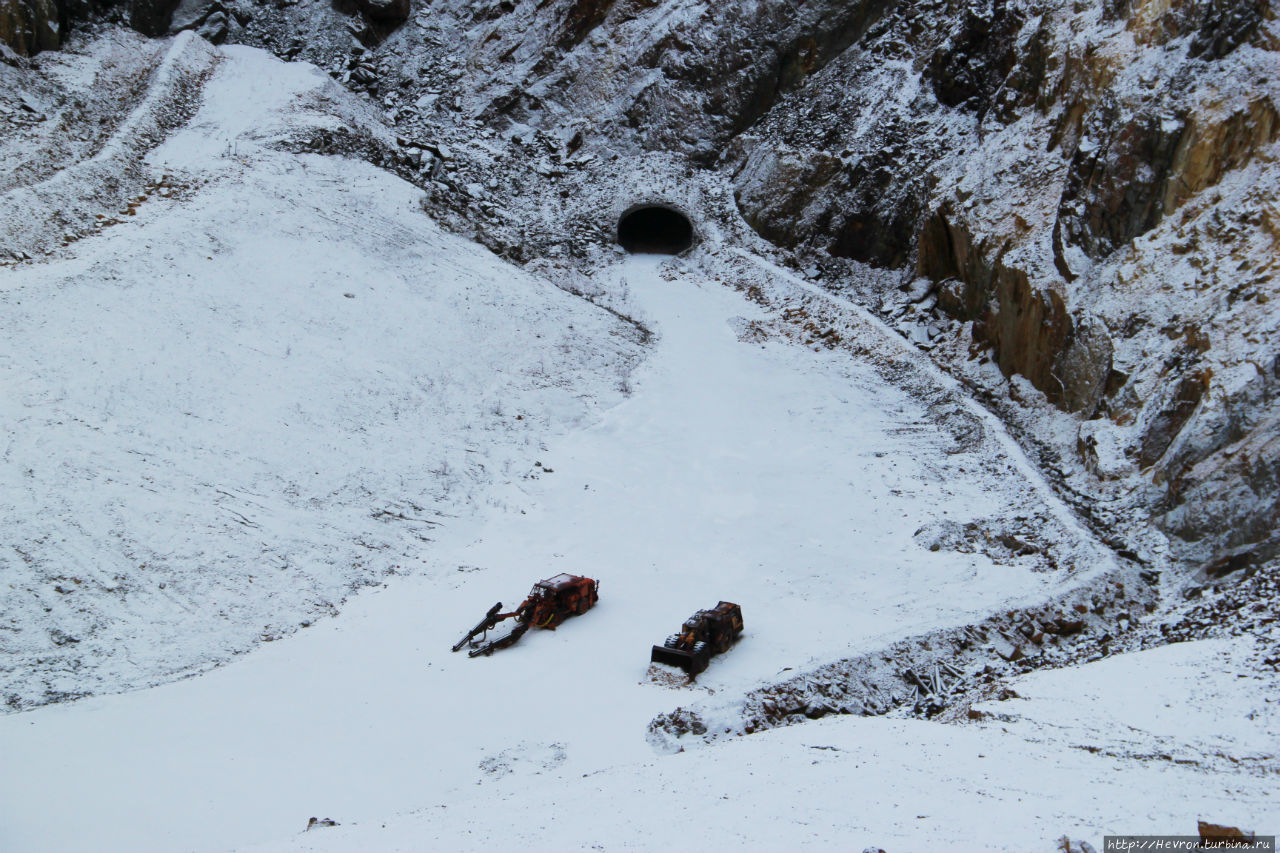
point(30, 26)
point(1041, 186)
point(1067, 356)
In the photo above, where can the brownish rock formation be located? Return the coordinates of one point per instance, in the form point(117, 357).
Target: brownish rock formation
point(30, 26)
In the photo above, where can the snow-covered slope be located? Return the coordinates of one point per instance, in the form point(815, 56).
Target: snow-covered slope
point(265, 389)
point(753, 470)
point(906, 786)
point(757, 471)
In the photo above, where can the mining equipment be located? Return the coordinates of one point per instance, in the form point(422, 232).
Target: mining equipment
point(550, 602)
point(705, 633)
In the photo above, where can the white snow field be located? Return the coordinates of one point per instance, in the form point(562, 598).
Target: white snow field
point(790, 481)
point(256, 395)
point(1074, 762)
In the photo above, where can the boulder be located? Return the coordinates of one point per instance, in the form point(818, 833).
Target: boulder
point(214, 29)
point(1229, 502)
point(775, 186)
point(190, 14)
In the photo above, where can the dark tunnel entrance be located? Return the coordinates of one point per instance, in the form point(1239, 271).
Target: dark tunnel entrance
point(655, 230)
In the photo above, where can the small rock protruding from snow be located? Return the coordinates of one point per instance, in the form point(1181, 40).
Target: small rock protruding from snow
point(215, 27)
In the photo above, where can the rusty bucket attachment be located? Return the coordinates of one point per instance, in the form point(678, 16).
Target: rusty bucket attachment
point(692, 661)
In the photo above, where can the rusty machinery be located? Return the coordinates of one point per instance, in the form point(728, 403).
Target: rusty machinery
point(550, 602)
point(705, 633)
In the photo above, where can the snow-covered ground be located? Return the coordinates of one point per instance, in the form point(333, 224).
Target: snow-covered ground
point(907, 786)
point(261, 391)
point(799, 484)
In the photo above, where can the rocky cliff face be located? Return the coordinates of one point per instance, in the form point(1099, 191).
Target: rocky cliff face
point(30, 26)
point(1080, 194)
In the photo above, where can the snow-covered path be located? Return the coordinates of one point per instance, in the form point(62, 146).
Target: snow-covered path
point(786, 480)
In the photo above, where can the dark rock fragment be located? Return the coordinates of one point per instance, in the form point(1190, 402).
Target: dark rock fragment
point(392, 12)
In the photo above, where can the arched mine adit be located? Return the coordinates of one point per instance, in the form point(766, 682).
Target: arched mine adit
point(655, 229)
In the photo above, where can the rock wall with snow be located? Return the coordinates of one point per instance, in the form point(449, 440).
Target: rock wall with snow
point(1087, 187)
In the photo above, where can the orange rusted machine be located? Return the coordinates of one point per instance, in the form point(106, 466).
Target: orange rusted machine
point(705, 633)
point(550, 602)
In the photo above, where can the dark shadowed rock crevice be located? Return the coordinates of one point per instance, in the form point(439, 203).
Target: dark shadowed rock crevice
point(151, 17)
point(581, 17)
point(1128, 173)
point(1116, 182)
point(976, 68)
point(1227, 24)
